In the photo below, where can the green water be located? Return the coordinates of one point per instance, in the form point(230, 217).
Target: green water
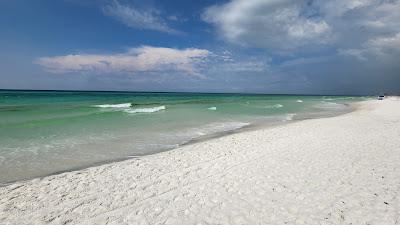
point(47, 132)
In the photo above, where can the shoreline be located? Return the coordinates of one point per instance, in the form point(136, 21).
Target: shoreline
point(334, 170)
point(248, 128)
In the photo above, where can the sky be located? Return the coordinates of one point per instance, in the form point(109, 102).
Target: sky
point(241, 46)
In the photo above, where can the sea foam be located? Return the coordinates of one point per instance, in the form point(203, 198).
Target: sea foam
point(122, 105)
point(211, 129)
point(145, 110)
point(212, 108)
point(330, 105)
point(290, 116)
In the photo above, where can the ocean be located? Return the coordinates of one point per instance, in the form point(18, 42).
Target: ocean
point(47, 132)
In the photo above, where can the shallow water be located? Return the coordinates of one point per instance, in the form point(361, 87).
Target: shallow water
point(44, 132)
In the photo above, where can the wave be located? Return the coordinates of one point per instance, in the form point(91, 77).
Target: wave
point(299, 101)
point(330, 105)
point(276, 106)
point(290, 116)
point(212, 108)
point(145, 110)
point(212, 129)
point(122, 105)
point(178, 102)
point(127, 107)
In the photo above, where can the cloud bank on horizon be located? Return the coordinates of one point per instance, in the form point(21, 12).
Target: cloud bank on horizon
point(135, 60)
point(278, 46)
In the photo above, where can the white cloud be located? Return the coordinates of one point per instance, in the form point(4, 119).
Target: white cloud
point(149, 19)
point(337, 8)
point(136, 60)
point(227, 62)
point(304, 25)
point(243, 66)
point(384, 45)
point(271, 24)
point(359, 54)
point(302, 61)
point(385, 48)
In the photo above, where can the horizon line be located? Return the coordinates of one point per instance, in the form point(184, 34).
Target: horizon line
point(184, 92)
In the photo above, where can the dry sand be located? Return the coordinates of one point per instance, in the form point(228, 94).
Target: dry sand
point(340, 170)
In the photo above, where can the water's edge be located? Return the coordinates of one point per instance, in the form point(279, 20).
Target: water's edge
point(351, 107)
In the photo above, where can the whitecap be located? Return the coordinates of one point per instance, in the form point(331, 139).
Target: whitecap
point(145, 110)
point(212, 108)
point(299, 101)
point(122, 105)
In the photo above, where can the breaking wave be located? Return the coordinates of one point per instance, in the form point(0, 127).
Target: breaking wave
point(122, 105)
point(145, 110)
point(127, 107)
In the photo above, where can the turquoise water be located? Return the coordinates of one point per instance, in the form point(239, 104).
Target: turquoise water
point(44, 132)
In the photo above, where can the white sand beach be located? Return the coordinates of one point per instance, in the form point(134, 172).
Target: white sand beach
point(338, 170)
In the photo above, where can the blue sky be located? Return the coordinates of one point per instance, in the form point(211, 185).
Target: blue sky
point(253, 46)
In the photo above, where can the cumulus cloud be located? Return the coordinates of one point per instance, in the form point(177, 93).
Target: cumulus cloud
point(271, 24)
point(338, 8)
point(227, 62)
point(149, 19)
point(135, 60)
point(303, 25)
point(385, 48)
point(244, 66)
point(357, 53)
point(338, 46)
point(384, 45)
